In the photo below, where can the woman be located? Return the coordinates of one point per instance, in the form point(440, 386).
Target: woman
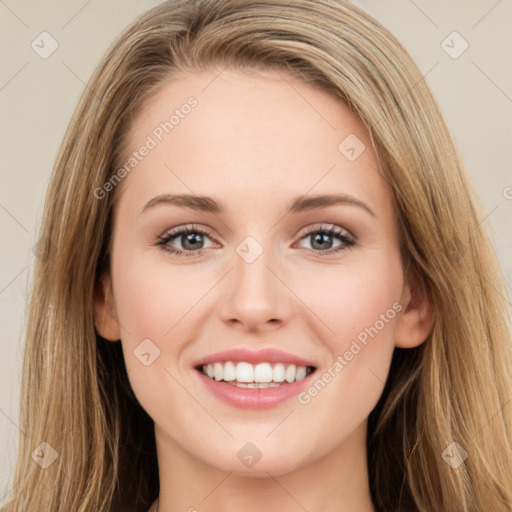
point(257, 371)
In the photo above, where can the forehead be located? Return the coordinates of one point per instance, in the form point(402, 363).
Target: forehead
point(251, 137)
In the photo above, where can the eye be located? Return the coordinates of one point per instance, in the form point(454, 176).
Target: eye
point(323, 236)
point(190, 238)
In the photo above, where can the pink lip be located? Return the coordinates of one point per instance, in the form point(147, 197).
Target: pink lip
point(249, 398)
point(270, 355)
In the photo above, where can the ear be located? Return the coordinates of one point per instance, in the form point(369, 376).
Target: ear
point(105, 315)
point(416, 319)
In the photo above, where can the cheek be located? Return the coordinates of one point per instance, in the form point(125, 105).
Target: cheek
point(151, 306)
point(350, 309)
point(358, 308)
point(151, 297)
point(352, 299)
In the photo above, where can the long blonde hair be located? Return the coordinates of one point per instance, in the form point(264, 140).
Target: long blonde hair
point(454, 388)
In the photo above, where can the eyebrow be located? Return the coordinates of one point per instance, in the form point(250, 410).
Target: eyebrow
point(299, 204)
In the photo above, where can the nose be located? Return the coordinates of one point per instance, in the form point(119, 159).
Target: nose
point(254, 296)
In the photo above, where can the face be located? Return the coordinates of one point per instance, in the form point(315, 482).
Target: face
point(322, 281)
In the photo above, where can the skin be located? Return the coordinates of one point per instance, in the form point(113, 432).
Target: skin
point(256, 141)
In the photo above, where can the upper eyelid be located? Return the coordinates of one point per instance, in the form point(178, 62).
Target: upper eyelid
point(323, 226)
point(327, 226)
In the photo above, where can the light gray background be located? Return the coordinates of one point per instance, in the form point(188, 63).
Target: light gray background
point(37, 97)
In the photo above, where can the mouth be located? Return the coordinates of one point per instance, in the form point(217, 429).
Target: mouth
point(263, 375)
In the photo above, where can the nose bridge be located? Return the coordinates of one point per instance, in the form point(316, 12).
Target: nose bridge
point(252, 262)
point(255, 294)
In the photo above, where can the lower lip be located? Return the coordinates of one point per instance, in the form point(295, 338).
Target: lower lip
point(254, 398)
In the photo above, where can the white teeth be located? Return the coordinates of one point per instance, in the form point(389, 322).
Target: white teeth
point(278, 373)
point(254, 385)
point(244, 372)
point(218, 371)
point(261, 375)
point(290, 373)
point(301, 372)
point(229, 371)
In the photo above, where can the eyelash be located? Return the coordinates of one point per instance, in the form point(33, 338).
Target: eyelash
point(164, 240)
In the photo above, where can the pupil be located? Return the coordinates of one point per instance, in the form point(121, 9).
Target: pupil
point(318, 238)
point(190, 238)
point(321, 238)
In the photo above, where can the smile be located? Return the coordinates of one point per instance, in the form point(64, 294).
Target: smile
point(262, 375)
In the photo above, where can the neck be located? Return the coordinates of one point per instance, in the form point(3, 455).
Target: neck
point(333, 482)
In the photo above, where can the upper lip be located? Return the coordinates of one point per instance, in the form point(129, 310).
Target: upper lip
point(270, 355)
